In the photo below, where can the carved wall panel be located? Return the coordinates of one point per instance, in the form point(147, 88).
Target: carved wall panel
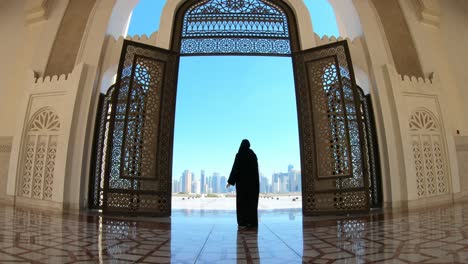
point(40, 151)
point(429, 154)
point(427, 151)
point(39, 175)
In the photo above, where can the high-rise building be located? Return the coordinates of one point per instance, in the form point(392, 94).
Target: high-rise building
point(264, 186)
point(187, 181)
point(182, 183)
point(202, 182)
point(294, 180)
point(176, 186)
point(284, 182)
point(215, 182)
point(208, 186)
point(196, 187)
point(222, 184)
point(275, 183)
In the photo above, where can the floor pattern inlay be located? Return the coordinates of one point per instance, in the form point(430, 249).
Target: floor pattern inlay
point(435, 235)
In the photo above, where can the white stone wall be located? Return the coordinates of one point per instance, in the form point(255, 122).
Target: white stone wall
point(40, 152)
point(439, 30)
point(428, 148)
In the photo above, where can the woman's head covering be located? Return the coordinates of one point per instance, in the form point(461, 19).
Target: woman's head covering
point(244, 146)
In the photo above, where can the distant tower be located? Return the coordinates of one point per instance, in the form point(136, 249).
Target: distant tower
point(290, 167)
point(215, 184)
point(176, 186)
point(196, 187)
point(187, 181)
point(222, 184)
point(275, 183)
point(202, 181)
point(264, 185)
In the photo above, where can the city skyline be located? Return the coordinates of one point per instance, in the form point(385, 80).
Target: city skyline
point(280, 182)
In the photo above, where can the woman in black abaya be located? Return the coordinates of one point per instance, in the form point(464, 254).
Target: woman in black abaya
point(244, 175)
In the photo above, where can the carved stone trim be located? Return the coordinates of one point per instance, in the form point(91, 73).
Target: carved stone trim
point(428, 12)
point(5, 144)
point(36, 11)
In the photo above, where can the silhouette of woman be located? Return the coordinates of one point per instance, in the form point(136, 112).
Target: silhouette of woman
point(244, 175)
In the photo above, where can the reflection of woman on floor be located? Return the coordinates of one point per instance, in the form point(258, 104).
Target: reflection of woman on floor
point(244, 175)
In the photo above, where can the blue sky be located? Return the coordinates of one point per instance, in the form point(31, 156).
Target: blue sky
point(223, 99)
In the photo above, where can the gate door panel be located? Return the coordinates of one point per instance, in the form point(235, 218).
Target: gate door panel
point(332, 137)
point(138, 173)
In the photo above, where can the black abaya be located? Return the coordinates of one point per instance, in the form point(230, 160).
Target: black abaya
point(244, 175)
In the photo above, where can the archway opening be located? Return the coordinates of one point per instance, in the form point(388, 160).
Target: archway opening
point(138, 169)
point(220, 101)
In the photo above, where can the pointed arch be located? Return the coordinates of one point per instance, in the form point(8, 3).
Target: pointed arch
point(252, 27)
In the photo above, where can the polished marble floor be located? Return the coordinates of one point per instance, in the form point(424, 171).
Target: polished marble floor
point(435, 235)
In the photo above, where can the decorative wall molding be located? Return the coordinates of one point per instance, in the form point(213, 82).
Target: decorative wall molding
point(40, 147)
point(5, 145)
point(428, 12)
point(36, 11)
point(151, 40)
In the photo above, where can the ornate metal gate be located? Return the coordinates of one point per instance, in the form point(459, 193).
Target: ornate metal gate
point(133, 169)
point(101, 142)
point(137, 174)
point(335, 178)
point(372, 150)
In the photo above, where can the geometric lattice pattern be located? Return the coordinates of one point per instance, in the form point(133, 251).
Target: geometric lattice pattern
point(235, 27)
point(136, 138)
point(429, 154)
point(435, 235)
point(371, 148)
point(37, 176)
point(335, 175)
point(99, 156)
